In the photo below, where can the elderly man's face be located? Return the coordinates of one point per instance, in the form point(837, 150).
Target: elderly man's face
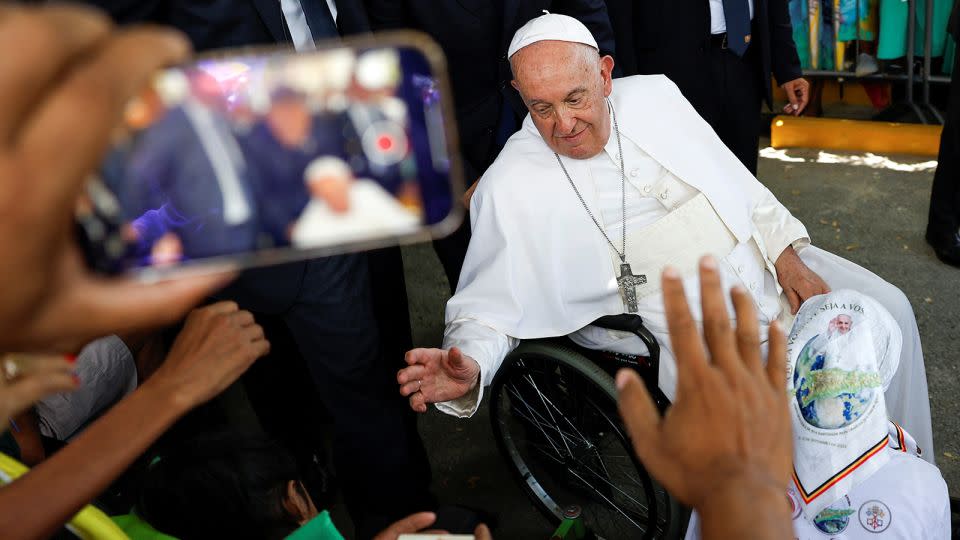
point(564, 85)
point(844, 323)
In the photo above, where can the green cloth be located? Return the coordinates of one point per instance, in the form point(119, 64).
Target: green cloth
point(318, 528)
point(948, 54)
point(868, 12)
point(858, 20)
point(138, 529)
point(819, 25)
point(828, 34)
point(801, 30)
point(893, 28)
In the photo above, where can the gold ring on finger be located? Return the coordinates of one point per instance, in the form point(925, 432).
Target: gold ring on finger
point(10, 367)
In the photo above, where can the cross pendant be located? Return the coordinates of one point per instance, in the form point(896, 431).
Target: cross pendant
point(627, 282)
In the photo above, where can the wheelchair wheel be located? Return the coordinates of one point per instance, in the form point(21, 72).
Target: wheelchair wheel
point(555, 420)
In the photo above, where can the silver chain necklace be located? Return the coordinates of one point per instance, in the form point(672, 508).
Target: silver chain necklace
point(627, 282)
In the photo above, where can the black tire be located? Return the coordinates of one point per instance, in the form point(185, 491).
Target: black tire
point(553, 465)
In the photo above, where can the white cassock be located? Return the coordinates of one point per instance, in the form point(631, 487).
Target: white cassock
point(537, 266)
point(372, 213)
point(906, 499)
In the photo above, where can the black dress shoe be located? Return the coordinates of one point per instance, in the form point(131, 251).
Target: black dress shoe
point(946, 247)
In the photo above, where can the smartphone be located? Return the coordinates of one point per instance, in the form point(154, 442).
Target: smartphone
point(261, 156)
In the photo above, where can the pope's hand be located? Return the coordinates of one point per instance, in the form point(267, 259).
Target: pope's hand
point(799, 282)
point(436, 375)
point(334, 191)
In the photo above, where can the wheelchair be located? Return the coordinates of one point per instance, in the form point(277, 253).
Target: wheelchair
point(553, 409)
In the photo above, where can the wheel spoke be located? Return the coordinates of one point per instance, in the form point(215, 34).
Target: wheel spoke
point(604, 497)
point(545, 451)
point(536, 417)
point(536, 423)
point(544, 400)
point(560, 430)
point(542, 420)
point(642, 506)
point(571, 424)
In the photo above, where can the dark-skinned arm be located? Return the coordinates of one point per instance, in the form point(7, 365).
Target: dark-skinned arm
point(218, 343)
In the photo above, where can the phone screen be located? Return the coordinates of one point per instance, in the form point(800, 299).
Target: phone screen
point(259, 158)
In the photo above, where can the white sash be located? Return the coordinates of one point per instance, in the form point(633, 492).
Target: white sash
point(678, 239)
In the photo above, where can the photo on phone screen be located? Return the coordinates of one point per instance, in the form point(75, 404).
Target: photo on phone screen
point(259, 158)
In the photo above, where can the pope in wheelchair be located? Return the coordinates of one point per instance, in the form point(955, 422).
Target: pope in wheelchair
point(607, 182)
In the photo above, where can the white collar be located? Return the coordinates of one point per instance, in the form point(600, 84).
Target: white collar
point(610, 149)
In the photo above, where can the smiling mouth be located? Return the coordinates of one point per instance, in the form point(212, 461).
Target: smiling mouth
point(574, 136)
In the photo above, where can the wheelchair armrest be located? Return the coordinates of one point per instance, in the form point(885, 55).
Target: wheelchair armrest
point(631, 322)
point(625, 322)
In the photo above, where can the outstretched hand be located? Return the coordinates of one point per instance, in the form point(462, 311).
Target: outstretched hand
point(730, 417)
point(436, 375)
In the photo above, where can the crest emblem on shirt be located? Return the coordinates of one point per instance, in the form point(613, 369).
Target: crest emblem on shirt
point(875, 516)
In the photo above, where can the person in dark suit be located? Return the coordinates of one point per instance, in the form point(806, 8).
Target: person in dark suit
point(168, 183)
point(217, 24)
point(327, 304)
point(172, 194)
point(721, 53)
point(944, 217)
point(474, 35)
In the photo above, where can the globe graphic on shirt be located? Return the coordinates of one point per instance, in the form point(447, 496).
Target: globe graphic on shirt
point(835, 518)
point(828, 397)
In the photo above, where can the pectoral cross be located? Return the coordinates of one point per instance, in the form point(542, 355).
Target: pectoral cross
point(627, 282)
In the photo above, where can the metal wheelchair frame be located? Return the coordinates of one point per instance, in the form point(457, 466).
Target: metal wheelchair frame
point(586, 392)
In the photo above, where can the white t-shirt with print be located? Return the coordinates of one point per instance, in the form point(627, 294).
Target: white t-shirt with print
point(906, 499)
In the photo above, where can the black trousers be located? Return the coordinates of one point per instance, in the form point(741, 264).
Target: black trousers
point(944, 216)
point(732, 106)
point(327, 306)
